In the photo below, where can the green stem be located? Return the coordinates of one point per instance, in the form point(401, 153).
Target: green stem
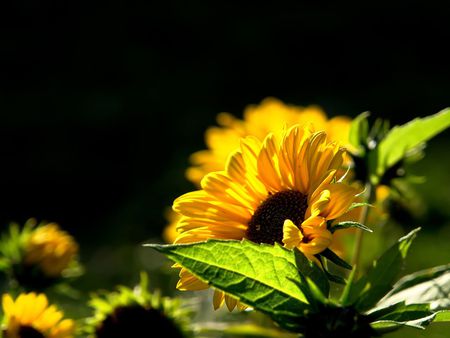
point(370, 194)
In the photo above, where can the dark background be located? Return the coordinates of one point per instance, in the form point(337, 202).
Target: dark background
point(102, 102)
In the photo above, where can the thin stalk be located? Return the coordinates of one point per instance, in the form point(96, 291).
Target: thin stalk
point(362, 219)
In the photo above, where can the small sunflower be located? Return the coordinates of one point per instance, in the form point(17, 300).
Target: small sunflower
point(270, 116)
point(39, 255)
point(31, 316)
point(285, 189)
point(121, 313)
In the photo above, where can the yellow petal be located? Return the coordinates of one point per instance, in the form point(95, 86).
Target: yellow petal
point(341, 198)
point(230, 302)
point(218, 299)
point(8, 305)
point(292, 236)
point(319, 204)
point(189, 282)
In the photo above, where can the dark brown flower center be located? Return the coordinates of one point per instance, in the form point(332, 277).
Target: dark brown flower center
point(125, 321)
point(266, 224)
point(26, 331)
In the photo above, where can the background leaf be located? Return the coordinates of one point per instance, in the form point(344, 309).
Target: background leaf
point(404, 138)
point(434, 290)
point(359, 130)
point(384, 326)
point(260, 275)
point(369, 289)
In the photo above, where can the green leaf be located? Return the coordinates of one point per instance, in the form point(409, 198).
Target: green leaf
point(360, 204)
point(378, 313)
point(216, 329)
point(442, 316)
point(419, 277)
point(408, 313)
point(402, 139)
point(348, 289)
point(385, 326)
point(359, 129)
point(260, 275)
point(349, 224)
point(312, 271)
point(331, 256)
point(430, 286)
point(369, 289)
point(413, 315)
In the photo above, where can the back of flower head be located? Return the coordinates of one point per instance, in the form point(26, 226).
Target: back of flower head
point(38, 255)
point(124, 312)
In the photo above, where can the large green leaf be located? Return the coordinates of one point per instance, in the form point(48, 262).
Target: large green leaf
point(430, 286)
point(373, 286)
point(260, 275)
point(402, 139)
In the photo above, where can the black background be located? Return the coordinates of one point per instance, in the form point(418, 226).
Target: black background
point(102, 102)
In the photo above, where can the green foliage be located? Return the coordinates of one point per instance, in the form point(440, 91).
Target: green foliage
point(259, 275)
point(402, 140)
point(430, 286)
point(370, 288)
point(294, 292)
point(106, 303)
point(359, 131)
point(12, 244)
point(349, 224)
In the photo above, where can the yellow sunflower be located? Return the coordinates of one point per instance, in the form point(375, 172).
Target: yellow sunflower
point(284, 189)
point(270, 116)
point(31, 316)
point(51, 249)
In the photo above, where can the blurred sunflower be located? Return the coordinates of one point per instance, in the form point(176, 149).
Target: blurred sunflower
point(30, 316)
point(285, 189)
point(270, 116)
point(38, 255)
point(126, 311)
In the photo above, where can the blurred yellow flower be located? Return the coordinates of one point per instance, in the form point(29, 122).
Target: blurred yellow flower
point(284, 189)
point(51, 249)
point(31, 316)
point(270, 116)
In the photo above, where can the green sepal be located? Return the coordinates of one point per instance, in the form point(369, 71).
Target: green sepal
point(349, 224)
point(332, 257)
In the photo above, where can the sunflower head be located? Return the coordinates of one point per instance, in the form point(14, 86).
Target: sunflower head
point(270, 116)
point(39, 255)
point(31, 316)
point(286, 189)
point(120, 313)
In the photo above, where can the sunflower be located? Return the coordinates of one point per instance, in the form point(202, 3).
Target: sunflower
point(270, 116)
point(125, 311)
point(30, 316)
point(286, 189)
point(37, 256)
point(51, 249)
